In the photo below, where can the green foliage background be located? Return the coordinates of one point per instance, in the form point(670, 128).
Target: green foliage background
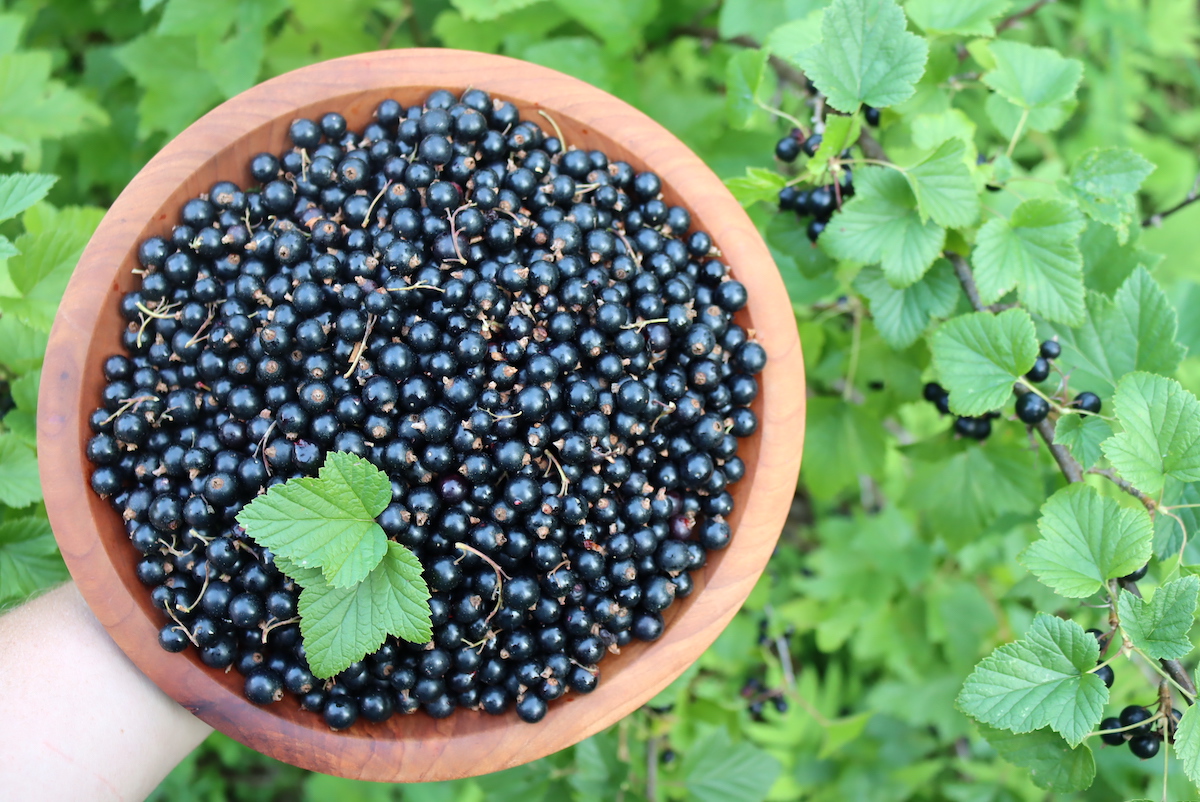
point(898, 571)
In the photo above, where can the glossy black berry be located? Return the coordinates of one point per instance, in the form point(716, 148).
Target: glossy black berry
point(1050, 349)
point(1134, 576)
point(1106, 674)
point(787, 149)
point(1087, 402)
point(1145, 746)
point(1136, 714)
point(1032, 408)
point(1112, 738)
point(1040, 370)
point(263, 687)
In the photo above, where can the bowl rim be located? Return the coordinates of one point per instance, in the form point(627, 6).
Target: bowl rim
point(442, 751)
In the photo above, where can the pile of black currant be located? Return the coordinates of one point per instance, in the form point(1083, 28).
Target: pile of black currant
point(526, 338)
point(1031, 408)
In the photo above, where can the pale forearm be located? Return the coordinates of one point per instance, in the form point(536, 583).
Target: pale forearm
point(79, 720)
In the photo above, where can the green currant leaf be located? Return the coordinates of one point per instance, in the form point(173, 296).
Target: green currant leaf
point(880, 224)
point(931, 130)
point(617, 23)
point(342, 625)
point(1007, 116)
point(849, 430)
point(903, 315)
point(717, 770)
point(1032, 77)
point(865, 56)
point(792, 38)
point(19, 191)
point(841, 131)
point(1087, 539)
point(963, 17)
point(47, 258)
point(943, 186)
point(979, 356)
point(29, 558)
point(327, 521)
point(1037, 253)
point(1159, 627)
point(1083, 434)
point(24, 346)
point(1135, 330)
point(1187, 743)
point(1161, 432)
point(756, 185)
point(1105, 181)
point(1107, 264)
point(964, 494)
point(484, 10)
point(1053, 764)
point(1169, 537)
point(19, 485)
point(1041, 680)
point(747, 83)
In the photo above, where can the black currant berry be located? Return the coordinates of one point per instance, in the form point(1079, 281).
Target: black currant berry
point(1136, 714)
point(1112, 738)
point(1032, 409)
point(1088, 402)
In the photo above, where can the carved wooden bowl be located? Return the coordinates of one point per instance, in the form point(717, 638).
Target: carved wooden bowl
point(219, 146)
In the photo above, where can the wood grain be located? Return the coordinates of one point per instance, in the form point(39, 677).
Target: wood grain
point(219, 146)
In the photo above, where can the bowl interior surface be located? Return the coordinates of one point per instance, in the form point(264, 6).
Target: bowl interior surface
point(219, 147)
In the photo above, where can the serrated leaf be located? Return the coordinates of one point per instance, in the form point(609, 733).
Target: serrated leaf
point(19, 485)
point(931, 130)
point(745, 79)
point(903, 315)
point(21, 190)
point(342, 625)
point(1170, 539)
point(841, 131)
point(756, 185)
point(963, 17)
point(34, 106)
point(47, 258)
point(1041, 680)
point(1135, 330)
point(881, 224)
point(792, 38)
point(1161, 432)
point(842, 731)
point(327, 521)
point(966, 493)
point(979, 356)
point(1007, 116)
point(836, 427)
point(1037, 253)
point(865, 56)
point(943, 186)
point(1032, 77)
point(29, 558)
point(1187, 743)
point(484, 10)
point(1159, 627)
point(1083, 434)
point(24, 346)
point(1087, 539)
point(1053, 764)
point(717, 770)
point(1105, 181)
point(617, 23)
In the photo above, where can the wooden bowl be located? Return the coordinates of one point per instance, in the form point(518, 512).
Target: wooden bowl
point(219, 146)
